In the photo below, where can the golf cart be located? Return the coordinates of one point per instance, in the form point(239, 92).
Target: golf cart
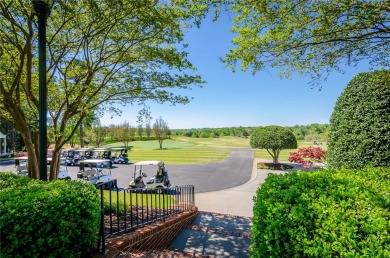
point(102, 153)
point(95, 171)
point(73, 156)
point(120, 156)
point(21, 165)
point(159, 181)
point(63, 169)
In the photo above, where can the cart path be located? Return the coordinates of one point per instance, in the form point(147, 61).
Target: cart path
point(233, 171)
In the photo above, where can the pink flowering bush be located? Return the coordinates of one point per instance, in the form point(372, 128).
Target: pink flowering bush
point(306, 157)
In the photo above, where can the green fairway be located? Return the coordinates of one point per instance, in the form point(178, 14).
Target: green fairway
point(184, 150)
point(187, 150)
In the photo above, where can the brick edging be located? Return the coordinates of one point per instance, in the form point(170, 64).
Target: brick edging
point(156, 236)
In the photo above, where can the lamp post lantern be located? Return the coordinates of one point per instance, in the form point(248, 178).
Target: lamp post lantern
point(42, 9)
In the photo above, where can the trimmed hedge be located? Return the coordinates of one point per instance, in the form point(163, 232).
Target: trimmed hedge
point(47, 219)
point(359, 125)
point(330, 213)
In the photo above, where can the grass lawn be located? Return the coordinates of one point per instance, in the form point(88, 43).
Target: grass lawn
point(184, 150)
point(187, 150)
point(150, 200)
point(283, 156)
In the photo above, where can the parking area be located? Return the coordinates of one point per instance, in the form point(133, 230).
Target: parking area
point(233, 171)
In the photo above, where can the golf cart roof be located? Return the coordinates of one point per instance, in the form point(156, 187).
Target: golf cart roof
point(101, 149)
point(21, 158)
point(94, 161)
point(118, 148)
point(149, 163)
point(50, 159)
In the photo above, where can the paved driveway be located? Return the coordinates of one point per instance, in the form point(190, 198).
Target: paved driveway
point(233, 171)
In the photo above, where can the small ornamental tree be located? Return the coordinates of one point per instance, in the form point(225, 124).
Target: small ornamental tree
point(359, 125)
point(306, 157)
point(274, 139)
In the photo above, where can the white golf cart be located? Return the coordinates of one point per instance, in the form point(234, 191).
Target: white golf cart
point(21, 165)
point(63, 173)
point(159, 181)
point(120, 156)
point(95, 171)
point(73, 156)
point(102, 153)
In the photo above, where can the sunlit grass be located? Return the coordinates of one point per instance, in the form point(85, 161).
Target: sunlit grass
point(150, 200)
point(179, 156)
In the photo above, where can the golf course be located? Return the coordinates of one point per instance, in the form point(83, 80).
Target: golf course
point(187, 150)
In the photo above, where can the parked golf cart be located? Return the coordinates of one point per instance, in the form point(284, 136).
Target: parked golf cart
point(63, 173)
point(76, 155)
point(68, 154)
point(102, 153)
point(95, 171)
point(158, 182)
point(21, 165)
point(120, 156)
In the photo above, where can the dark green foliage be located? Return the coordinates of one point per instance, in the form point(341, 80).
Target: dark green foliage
point(274, 139)
point(360, 123)
point(47, 219)
point(331, 213)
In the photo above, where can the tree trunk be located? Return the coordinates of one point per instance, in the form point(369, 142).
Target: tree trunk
point(33, 165)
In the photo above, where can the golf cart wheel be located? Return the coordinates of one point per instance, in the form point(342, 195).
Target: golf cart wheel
point(159, 190)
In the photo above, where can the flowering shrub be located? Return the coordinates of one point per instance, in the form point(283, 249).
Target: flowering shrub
point(306, 157)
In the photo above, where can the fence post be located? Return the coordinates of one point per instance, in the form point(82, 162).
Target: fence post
point(102, 238)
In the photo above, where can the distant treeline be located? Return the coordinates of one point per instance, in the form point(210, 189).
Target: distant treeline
point(312, 132)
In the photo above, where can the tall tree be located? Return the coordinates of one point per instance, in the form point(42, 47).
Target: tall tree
point(160, 129)
point(96, 133)
point(148, 129)
point(140, 130)
point(309, 37)
point(100, 52)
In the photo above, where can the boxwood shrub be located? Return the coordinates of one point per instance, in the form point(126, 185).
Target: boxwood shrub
point(359, 125)
point(47, 219)
point(328, 213)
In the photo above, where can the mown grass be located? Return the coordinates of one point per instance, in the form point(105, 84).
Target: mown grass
point(150, 200)
point(186, 150)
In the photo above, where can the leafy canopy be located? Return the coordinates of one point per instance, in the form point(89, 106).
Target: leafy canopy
point(274, 139)
point(309, 37)
point(99, 53)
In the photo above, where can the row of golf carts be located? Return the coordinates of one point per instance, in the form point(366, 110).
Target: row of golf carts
point(114, 155)
point(97, 171)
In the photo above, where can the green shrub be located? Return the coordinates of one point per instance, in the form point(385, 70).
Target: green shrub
point(10, 180)
point(331, 213)
point(48, 219)
point(359, 125)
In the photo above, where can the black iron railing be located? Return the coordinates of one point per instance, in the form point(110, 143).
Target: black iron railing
point(124, 210)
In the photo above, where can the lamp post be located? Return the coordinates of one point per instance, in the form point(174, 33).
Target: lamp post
point(42, 9)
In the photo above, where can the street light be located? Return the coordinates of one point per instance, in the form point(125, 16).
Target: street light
point(42, 9)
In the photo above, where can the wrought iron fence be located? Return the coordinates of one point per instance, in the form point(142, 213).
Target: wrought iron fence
point(124, 210)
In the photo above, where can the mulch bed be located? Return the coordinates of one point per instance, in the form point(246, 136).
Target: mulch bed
point(278, 166)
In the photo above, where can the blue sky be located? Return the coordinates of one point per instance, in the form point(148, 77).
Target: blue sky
point(241, 99)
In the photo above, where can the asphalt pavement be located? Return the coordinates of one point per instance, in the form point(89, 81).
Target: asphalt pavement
point(233, 171)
